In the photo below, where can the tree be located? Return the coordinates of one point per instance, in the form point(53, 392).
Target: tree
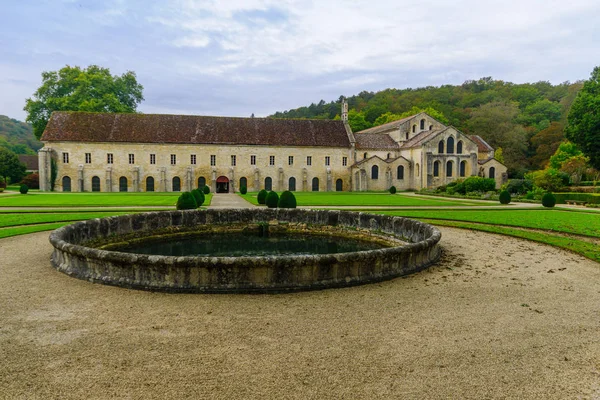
point(583, 126)
point(92, 89)
point(565, 151)
point(576, 167)
point(357, 121)
point(10, 167)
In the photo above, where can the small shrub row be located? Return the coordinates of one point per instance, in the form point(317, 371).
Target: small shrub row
point(191, 200)
point(273, 200)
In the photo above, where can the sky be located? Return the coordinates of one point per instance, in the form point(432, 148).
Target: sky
point(243, 57)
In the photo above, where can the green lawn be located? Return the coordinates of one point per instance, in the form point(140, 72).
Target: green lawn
point(359, 199)
point(51, 199)
point(22, 230)
point(16, 219)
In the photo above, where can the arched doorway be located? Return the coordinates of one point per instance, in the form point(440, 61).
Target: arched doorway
point(149, 184)
point(492, 173)
point(176, 184)
point(95, 184)
point(268, 184)
point(222, 184)
point(201, 182)
point(292, 184)
point(315, 184)
point(122, 184)
point(339, 185)
point(243, 183)
point(66, 183)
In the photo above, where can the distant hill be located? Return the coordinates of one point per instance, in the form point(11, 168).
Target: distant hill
point(526, 120)
point(17, 136)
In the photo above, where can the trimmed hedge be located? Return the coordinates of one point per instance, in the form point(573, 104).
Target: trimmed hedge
point(186, 202)
point(272, 199)
point(262, 196)
point(393, 190)
point(588, 197)
point(548, 200)
point(24, 189)
point(287, 200)
point(504, 197)
point(206, 189)
point(198, 196)
point(243, 190)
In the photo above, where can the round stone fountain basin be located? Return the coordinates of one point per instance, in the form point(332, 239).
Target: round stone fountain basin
point(86, 250)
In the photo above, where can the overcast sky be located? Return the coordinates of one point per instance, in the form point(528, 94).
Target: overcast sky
point(238, 57)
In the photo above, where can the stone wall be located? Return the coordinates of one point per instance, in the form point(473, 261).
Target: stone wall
point(242, 274)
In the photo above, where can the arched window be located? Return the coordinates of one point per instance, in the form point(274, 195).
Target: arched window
point(417, 170)
point(339, 185)
point(441, 147)
point(436, 168)
point(149, 184)
point(459, 147)
point(406, 135)
point(374, 172)
point(292, 184)
point(463, 168)
point(201, 182)
point(492, 173)
point(388, 155)
point(450, 145)
point(400, 172)
point(449, 169)
point(243, 182)
point(66, 183)
point(365, 155)
point(430, 127)
point(315, 184)
point(423, 124)
point(414, 128)
point(95, 184)
point(122, 184)
point(268, 184)
point(176, 184)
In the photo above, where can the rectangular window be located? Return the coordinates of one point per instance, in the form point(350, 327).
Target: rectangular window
point(344, 161)
point(193, 159)
point(131, 159)
point(327, 160)
point(271, 160)
point(213, 160)
point(109, 158)
point(308, 160)
point(291, 160)
point(88, 158)
point(152, 158)
point(65, 158)
point(252, 160)
point(173, 159)
point(233, 161)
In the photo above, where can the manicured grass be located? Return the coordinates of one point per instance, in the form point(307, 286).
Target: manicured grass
point(367, 199)
point(580, 223)
point(46, 199)
point(22, 230)
point(43, 218)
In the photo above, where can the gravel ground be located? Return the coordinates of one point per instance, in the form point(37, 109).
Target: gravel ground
point(496, 318)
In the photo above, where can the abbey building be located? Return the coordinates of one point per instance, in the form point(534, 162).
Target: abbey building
point(151, 152)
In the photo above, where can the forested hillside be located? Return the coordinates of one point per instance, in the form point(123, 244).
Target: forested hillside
point(526, 120)
point(17, 136)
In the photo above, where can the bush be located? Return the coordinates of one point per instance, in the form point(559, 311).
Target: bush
point(287, 200)
point(206, 189)
point(393, 190)
point(243, 190)
point(198, 196)
point(548, 179)
point(519, 186)
point(504, 197)
point(31, 180)
point(548, 200)
point(479, 184)
point(262, 196)
point(2, 183)
point(272, 199)
point(24, 189)
point(588, 197)
point(186, 202)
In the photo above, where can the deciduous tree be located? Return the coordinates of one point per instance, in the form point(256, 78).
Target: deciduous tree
point(10, 166)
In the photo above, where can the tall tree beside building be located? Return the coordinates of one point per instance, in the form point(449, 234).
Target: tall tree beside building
point(91, 89)
point(10, 166)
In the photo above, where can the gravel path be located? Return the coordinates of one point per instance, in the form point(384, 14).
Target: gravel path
point(496, 318)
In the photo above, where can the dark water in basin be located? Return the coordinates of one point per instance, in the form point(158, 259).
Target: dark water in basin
point(241, 244)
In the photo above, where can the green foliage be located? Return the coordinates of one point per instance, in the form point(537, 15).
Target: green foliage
point(186, 202)
point(549, 179)
point(92, 89)
point(272, 199)
point(584, 119)
point(548, 200)
point(206, 189)
point(565, 151)
point(519, 186)
point(198, 196)
point(243, 190)
point(10, 167)
point(17, 136)
point(2, 183)
point(287, 200)
point(587, 197)
point(262, 196)
point(504, 197)
point(32, 181)
point(478, 184)
point(393, 190)
point(499, 154)
point(357, 121)
point(24, 189)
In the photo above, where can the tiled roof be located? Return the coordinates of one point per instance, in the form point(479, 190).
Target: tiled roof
point(159, 128)
point(388, 160)
point(482, 145)
point(388, 126)
point(420, 138)
point(375, 141)
point(31, 162)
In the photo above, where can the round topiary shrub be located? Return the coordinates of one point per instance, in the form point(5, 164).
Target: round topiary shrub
point(272, 199)
point(393, 190)
point(262, 196)
point(504, 197)
point(24, 189)
point(243, 190)
point(287, 200)
point(548, 200)
point(206, 189)
point(198, 196)
point(186, 202)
